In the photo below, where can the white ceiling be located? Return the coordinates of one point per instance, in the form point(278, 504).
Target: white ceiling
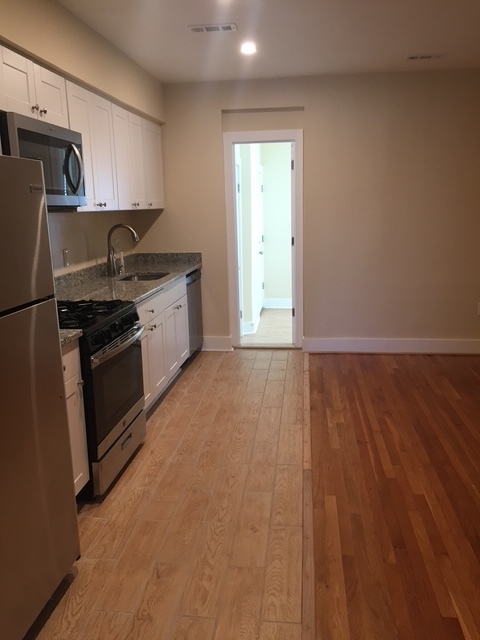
point(294, 37)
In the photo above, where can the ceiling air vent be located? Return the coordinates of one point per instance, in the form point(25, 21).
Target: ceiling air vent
point(212, 28)
point(426, 56)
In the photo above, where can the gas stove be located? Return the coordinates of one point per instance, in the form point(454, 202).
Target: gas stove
point(101, 321)
point(111, 364)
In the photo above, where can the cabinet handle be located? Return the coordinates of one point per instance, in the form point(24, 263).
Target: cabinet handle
point(152, 327)
point(35, 107)
point(81, 383)
point(150, 204)
point(44, 111)
point(101, 204)
point(150, 310)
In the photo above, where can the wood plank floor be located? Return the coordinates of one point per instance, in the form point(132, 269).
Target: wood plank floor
point(396, 496)
point(274, 330)
point(201, 538)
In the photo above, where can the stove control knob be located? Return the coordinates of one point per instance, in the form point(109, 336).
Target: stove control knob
point(115, 328)
point(96, 339)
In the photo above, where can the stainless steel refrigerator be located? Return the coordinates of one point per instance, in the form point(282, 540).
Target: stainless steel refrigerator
point(38, 521)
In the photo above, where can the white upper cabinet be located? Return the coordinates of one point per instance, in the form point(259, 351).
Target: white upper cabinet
point(78, 101)
point(152, 148)
point(122, 157)
point(127, 133)
point(28, 88)
point(91, 115)
point(122, 151)
point(103, 153)
point(137, 170)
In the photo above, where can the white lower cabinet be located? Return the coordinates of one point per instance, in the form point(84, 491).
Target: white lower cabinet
point(153, 358)
point(76, 417)
point(176, 329)
point(165, 339)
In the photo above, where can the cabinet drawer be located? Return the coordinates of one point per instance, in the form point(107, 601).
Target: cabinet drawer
point(70, 360)
point(156, 304)
point(172, 294)
point(150, 308)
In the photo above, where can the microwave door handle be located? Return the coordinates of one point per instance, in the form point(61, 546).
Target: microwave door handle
point(95, 361)
point(72, 148)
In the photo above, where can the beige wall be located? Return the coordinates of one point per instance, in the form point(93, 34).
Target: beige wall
point(46, 31)
point(391, 197)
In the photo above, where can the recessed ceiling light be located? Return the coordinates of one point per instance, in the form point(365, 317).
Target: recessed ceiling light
point(248, 48)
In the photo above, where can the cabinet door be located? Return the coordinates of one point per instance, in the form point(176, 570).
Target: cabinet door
point(76, 427)
point(137, 172)
point(103, 156)
point(17, 84)
point(51, 93)
point(176, 332)
point(145, 343)
point(122, 154)
point(152, 146)
point(156, 355)
point(173, 363)
point(78, 100)
point(181, 328)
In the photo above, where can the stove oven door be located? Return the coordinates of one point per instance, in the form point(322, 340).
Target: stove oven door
point(116, 390)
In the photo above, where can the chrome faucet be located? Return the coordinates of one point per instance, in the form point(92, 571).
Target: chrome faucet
point(111, 264)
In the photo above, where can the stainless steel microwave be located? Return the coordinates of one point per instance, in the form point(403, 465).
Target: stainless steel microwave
point(59, 149)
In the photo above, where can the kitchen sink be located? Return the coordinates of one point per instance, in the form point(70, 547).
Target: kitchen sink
point(146, 276)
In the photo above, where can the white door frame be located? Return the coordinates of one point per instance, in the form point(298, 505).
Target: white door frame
point(282, 135)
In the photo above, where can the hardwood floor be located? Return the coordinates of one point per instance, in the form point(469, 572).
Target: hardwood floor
point(396, 496)
point(201, 538)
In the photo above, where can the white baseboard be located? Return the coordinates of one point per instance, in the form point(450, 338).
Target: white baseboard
point(277, 303)
point(391, 345)
point(217, 343)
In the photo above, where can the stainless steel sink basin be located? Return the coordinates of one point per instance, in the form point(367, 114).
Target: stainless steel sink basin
point(145, 276)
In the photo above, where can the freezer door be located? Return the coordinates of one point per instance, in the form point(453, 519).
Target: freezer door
point(38, 530)
point(25, 260)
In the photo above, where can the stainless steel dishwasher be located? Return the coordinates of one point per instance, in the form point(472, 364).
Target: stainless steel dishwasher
point(195, 322)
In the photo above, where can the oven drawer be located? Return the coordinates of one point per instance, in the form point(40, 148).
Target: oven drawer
point(105, 470)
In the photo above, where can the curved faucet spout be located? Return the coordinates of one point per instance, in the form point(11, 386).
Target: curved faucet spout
point(111, 266)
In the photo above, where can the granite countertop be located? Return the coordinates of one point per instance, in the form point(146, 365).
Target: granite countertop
point(93, 283)
point(69, 335)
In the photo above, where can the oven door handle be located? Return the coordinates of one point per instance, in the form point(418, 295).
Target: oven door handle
point(96, 361)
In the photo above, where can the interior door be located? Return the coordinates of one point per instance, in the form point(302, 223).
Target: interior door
point(238, 207)
point(258, 261)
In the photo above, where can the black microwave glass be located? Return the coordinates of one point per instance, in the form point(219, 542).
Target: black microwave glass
point(59, 150)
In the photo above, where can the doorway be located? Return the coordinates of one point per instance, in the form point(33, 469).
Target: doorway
point(264, 214)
